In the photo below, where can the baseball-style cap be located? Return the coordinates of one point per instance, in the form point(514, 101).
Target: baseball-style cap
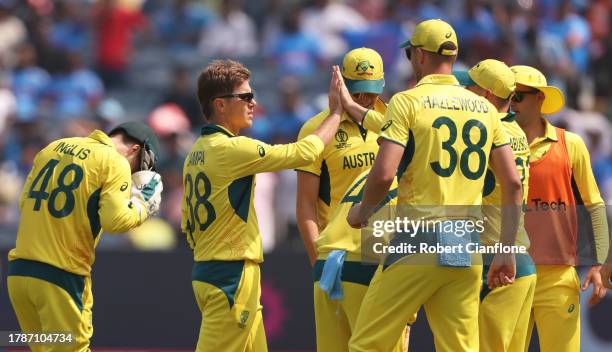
point(140, 132)
point(363, 72)
point(431, 35)
point(489, 74)
point(531, 77)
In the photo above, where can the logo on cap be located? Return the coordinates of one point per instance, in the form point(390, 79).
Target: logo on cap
point(448, 35)
point(363, 67)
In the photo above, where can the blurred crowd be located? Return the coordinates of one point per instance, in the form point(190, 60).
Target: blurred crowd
point(70, 66)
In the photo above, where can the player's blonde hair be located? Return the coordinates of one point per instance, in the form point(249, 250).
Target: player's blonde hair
point(219, 78)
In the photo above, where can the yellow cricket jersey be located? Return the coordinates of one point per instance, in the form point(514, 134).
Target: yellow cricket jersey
point(77, 187)
point(492, 191)
point(218, 216)
point(351, 152)
point(585, 190)
point(448, 133)
point(339, 234)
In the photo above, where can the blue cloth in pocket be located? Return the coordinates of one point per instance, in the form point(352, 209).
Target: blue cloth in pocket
point(330, 281)
point(459, 256)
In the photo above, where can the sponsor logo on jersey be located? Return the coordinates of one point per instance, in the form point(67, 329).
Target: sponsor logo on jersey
point(123, 187)
point(571, 308)
point(387, 125)
point(261, 150)
point(244, 316)
point(537, 204)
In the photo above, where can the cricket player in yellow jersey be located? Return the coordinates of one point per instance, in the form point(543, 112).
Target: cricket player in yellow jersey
point(456, 133)
point(560, 179)
point(504, 311)
point(339, 284)
point(323, 183)
point(77, 188)
point(218, 217)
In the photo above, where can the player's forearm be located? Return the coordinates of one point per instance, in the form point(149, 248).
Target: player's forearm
point(355, 111)
point(376, 188)
point(511, 211)
point(601, 235)
point(309, 232)
point(306, 215)
point(327, 129)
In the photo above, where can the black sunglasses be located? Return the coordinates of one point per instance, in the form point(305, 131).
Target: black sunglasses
point(247, 97)
point(518, 97)
point(408, 52)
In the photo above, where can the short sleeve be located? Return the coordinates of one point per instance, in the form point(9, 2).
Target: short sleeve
point(315, 167)
point(397, 120)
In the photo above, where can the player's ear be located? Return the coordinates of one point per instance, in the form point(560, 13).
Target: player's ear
point(219, 105)
point(420, 55)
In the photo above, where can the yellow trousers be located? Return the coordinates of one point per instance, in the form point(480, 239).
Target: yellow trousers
point(556, 308)
point(42, 305)
point(228, 295)
point(450, 296)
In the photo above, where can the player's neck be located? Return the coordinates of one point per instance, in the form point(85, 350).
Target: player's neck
point(437, 69)
point(502, 108)
point(223, 123)
point(534, 128)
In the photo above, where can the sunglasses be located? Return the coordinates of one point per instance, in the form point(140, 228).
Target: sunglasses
point(518, 97)
point(247, 97)
point(409, 52)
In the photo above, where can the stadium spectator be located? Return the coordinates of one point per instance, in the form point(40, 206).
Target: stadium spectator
point(232, 34)
point(30, 83)
point(69, 28)
point(115, 26)
point(295, 52)
point(182, 93)
point(327, 20)
point(288, 118)
point(179, 23)
point(78, 91)
point(12, 32)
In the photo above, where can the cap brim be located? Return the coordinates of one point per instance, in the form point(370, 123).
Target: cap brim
point(365, 86)
point(554, 100)
point(464, 78)
point(405, 44)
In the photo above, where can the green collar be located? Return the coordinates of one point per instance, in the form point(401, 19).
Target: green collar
point(510, 117)
point(212, 129)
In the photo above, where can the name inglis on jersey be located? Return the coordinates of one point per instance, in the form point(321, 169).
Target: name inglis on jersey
point(358, 160)
point(69, 149)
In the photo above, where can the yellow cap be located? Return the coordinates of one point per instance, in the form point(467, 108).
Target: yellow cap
point(363, 72)
point(489, 74)
point(430, 35)
point(529, 76)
